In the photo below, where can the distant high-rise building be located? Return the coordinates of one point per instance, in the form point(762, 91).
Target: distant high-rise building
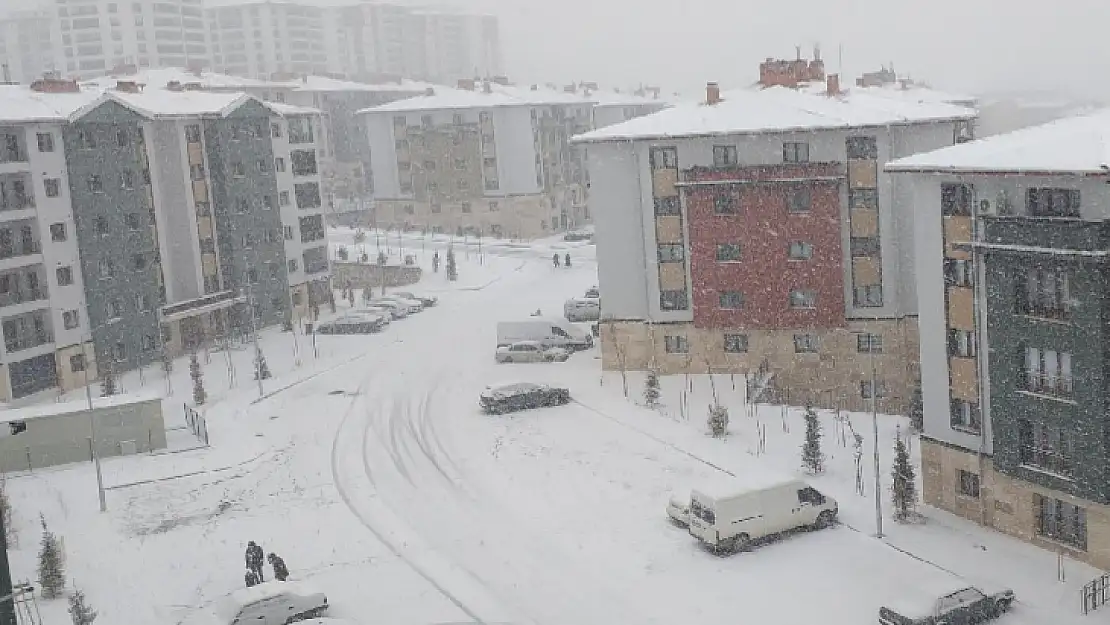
point(25, 49)
point(261, 38)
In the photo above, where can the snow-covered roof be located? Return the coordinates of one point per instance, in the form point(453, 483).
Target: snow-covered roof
point(725, 486)
point(156, 78)
point(445, 98)
point(231, 605)
point(910, 93)
point(162, 104)
point(320, 84)
point(777, 109)
point(1074, 145)
point(283, 109)
point(19, 104)
point(54, 409)
point(621, 98)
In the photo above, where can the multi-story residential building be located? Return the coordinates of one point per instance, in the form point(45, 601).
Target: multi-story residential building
point(494, 159)
point(259, 38)
point(25, 46)
point(91, 37)
point(445, 47)
point(1011, 249)
point(753, 230)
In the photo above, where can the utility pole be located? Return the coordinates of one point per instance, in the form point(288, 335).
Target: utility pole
point(254, 339)
point(92, 438)
point(875, 432)
point(7, 601)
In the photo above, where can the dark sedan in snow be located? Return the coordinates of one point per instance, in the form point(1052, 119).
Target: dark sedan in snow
point(518, 396)
point(966, 606)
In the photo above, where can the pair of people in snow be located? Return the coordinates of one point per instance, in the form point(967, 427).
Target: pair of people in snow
point(254, 558)
point(555, 259)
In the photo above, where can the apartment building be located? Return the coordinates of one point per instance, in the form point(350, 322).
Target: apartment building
point(1012, 244)
point(259, 38)
point(753, 231)
point(446, 46)
point(91, 37)
point(25, 45)
point(486, 158)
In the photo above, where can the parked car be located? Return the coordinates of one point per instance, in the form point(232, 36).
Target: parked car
point(548, 332)
point(593, 293)
point(271, 603)
point(578, 235)
point(678, 508)
point(427, 300)
point(728, 516)
point(503, 398)
point(966, 606)
point(582, 309)
point(531, 351)
point(396, 310)
point(380, 311)
point(413, 306)
point(354, 323)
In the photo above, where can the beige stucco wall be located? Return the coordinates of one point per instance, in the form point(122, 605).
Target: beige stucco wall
point(828, 378)
point(67, 378)
point(518, 217)
point(300, 311)
point(63, 437)
point(1005, 503)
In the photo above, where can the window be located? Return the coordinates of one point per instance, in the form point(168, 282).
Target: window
point(663, 158)
point(961, 343)
point(51, 186)
point(803, 299)
point(268, 202)
point(955, 199)
point(494, 207)
point(865, 389)
point(115, 309)
point(203, 209)
point(46, 142)
point(728, 252)
point(725, 203)
point(731, 300)
point(238, 170)
point(964, 415)
point(436, 208)
point(147, 343)
point(279, 164)
point(724, 155)
point(192, 133)
point(805, 344)
point(142, 303)
point(293, 269)
point(252, 276)
point(283, 198)
point(672, 253)
point(736, 343)
point(426, 121)
point(119, 352)
point(870, 296)
point(465, 207)
point(667, 206)
point(64, 276)
point(863, 199)
point(101, 224)
point(263, 166)
point(288, 233)
point(70, 319)
point(967, 483)
point(795, 152)
point(241, 205)
point(1061, 521)
point(273, 270)
point(862, 148)
point(460, 163)
point(1044, 293)
point(86, 140)
point(674, 344)
point(77, 363)
point(1047, 202)
point(869, 343)
point(126, 180)
point(1047, 372)
point(138, 262)
point(798, 200)
point(275, 130)
point(457, 119)
point(672, 300)
point(58, 232)
point(800, 250)
point(196, 172)
point(865, 246)
point(121, 137)
point(95, 184)
point(1045, 447)
point(957, 272)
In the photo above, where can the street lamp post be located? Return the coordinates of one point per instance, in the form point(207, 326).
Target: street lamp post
point(92, 439)
point(875, 432)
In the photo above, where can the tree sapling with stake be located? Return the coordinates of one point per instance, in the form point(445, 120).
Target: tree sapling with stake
point(199, 396)
point(718, 421)
point(52, 575)
point(80, 612)
point(903, 489)
point(651, 389)
point(812, 458)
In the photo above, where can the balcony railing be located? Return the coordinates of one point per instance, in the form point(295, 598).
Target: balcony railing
point(10, 153)
point(15, 201)
point(1054, 385)
point(26, 340)
point(26, 249)
point(13, 298)
point(1044, 309)
point(1047, 459)
point(318, 267)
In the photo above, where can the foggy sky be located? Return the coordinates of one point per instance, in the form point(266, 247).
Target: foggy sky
point(977, 46)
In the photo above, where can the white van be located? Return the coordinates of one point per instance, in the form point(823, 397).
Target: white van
point(729, 515)
point(547, 332)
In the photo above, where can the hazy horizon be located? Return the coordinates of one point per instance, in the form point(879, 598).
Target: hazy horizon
point(975, 47)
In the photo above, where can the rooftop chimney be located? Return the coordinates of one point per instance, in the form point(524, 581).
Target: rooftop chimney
point(128, 86)
point(51, 84)
point(466, 84)
point(570, 89)
point(712, 93)
point(832, 84)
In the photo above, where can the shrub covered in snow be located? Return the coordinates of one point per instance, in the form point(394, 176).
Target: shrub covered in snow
point(52, 576)
point(651, 390)
point(718, 420)
point(812, 458)
point(80, 612)
point(903, 489)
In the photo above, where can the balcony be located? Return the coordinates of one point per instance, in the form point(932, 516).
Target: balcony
point(16, 192)
point(303, 162)
point(12, 147)
point(27, 331)
point(1051, 385)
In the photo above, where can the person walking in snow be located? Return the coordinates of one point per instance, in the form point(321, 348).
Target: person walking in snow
point(251, 578)
point(255, 558)
point(435, 262)
point(568, 260)
point(281, 572)
point(555, 259)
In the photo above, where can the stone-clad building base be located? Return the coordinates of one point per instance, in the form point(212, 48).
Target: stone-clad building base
point(1005, 503)
point(830, 378)
point(515, 217)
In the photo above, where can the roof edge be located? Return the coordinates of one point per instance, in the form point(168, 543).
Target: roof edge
point(892, 168)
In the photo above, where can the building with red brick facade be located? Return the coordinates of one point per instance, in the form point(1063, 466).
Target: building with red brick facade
point(755, 229)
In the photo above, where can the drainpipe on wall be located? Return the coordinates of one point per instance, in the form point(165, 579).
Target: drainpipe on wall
point(647, 281)
point(979, 310)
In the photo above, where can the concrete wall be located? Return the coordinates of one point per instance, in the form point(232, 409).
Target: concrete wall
point(64, 436)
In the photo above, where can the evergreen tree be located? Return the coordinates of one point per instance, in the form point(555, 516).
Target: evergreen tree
point(651, 389)
point(52, 575)
point(917, 409)
point(452, 268)
point(199, 396)
point(904, 488)
point(79, 611)
point(108, 380)
point(260, 367)
point(812, 458)
point(7, 537)
point(718, 421)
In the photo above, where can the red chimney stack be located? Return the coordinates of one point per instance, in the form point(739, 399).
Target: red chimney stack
point(832, 85)
point(712, 93)
point(51, 84)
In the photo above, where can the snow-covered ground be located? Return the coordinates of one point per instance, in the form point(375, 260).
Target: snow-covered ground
point(370, 469)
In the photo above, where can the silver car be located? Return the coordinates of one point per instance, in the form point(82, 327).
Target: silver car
point(531, 351)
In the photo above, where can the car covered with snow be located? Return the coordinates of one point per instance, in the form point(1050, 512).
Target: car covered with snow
point(582, 309)
point(427, 300)
point(271, 603)
point(531, 351)
point(678, 509)
point(413, 306)
point(593, 292)
point(355, 323)
point(961, 607)
point(517, 396)
point(396, 310)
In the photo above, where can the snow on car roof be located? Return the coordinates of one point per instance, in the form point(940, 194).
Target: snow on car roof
point(723, 487)
point(229, 606)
